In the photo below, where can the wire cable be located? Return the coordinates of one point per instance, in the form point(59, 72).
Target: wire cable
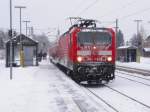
point(88, 7)
point(120, 8)
point(78, 6)
point(135, 13)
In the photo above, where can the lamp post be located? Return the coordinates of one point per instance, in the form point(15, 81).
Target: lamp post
point(21, 44)
point(10, 61)
point(26, 26)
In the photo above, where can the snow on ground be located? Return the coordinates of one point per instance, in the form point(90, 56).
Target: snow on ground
point(145, 60)
point(47, 89)
point(42, 89)
point(144, 64)
point(137, 91)
point(121, 103)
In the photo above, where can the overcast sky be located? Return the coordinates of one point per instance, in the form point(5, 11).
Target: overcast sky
point(45, 15)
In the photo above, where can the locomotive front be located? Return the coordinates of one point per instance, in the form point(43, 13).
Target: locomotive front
point(95, 55)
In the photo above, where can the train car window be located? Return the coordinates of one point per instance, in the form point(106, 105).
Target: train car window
point(94, 37)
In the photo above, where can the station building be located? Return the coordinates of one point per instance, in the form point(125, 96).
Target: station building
point(127, 53)
point(29, 51)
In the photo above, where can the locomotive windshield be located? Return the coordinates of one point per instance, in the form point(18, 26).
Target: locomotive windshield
point(94, 37)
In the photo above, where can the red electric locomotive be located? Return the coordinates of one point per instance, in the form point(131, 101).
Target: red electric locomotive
point(87, 52)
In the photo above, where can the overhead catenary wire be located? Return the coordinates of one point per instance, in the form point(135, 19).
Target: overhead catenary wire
point(85, 9)
point(119, 8)
point(88, 7)
point(78, 6)
point(121, 18)
point(135, 13)
point(93, 3)
point(125, 6)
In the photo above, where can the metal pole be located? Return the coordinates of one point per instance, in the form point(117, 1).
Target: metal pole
point(116, 27)
point(20, 29)
point(21, 44)
point(26, 27)
point(116, 43)
point(139, 53)
point(138, 21)
point(29, 30)
point(10, 61)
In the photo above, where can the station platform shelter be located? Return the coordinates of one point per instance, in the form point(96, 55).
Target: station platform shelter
point(127, 54)
point(24, 51)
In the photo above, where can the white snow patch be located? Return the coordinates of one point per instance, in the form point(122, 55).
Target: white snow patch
point(42, 89)
point(144, 64)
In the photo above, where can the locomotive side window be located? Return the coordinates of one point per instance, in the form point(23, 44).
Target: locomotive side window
point(94, 37)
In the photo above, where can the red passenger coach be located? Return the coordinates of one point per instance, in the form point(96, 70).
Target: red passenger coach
point(87, 52)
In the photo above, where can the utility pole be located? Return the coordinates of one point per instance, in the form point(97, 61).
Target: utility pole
point(138, 21)
point(21, 44)
point(29, 29)
point(116, 27)
point(11, 60)
point(138, 53)
point(116, 30)
point(26, 26)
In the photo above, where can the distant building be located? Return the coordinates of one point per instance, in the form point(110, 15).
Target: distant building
point(127, 53)
point(146, 47)
point(146, 52)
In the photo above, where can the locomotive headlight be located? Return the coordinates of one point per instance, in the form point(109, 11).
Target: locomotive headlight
point(79, 58)
point(109, 58)
point(94, 47)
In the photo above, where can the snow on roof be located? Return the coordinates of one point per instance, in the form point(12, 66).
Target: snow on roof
point(18, 36)
point(127, 47)
point(147, 49)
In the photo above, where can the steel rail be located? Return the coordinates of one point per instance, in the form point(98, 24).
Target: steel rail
point(133, 80)
point(134, 70)
point(145, 105)
point(129, 74)
point(113, 108)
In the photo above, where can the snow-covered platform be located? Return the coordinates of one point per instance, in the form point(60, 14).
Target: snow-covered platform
point(46, 89)
point(144, 64)
point(42, 89)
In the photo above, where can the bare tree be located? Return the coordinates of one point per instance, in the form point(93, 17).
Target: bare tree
point(43, 42)
point(120, 38)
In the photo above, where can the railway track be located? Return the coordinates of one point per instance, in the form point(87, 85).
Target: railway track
point(133, 75)
point(130, 77)
point(134, 70)
point(111, 105)
point(131, 98)
point(105, 102)
point(140, 82)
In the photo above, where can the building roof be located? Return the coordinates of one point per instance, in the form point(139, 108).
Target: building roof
point(147, 49)
point(127, 47)
point(24, 39)
point(148, 38)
